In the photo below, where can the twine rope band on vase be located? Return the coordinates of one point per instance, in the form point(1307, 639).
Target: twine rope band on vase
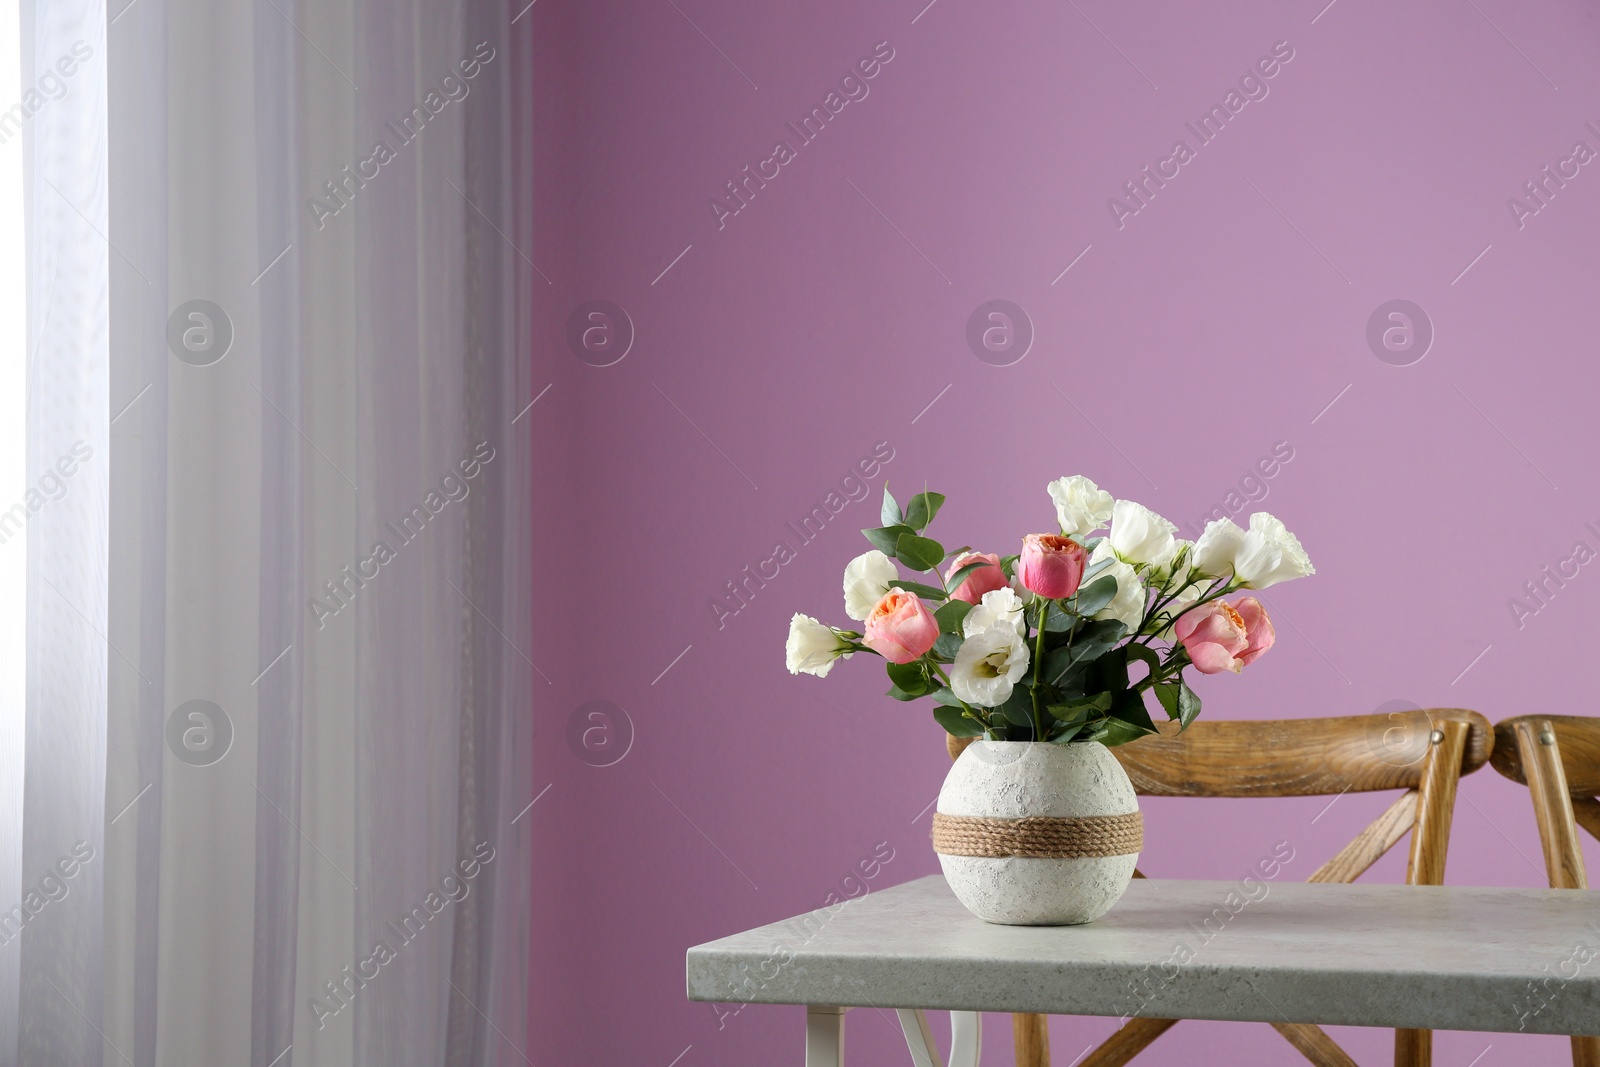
point(1039, 836)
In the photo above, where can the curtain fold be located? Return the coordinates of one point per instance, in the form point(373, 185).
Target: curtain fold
point(278, 679)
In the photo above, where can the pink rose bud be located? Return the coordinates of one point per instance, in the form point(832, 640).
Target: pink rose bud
point(1257, 629)
point(1051, 565)
point(978, 582)
point(900, 627)
point(1214, 635)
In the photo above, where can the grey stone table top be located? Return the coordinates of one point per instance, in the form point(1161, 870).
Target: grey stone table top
point(1443, 958)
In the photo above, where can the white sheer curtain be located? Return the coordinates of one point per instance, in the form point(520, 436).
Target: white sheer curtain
point(277, 675)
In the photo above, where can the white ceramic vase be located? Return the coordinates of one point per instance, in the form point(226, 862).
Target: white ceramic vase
point(1068, 809)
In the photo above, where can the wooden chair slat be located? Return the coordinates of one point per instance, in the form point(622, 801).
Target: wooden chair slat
point(1371, 844)
point(1580, 750)
point(1314, 1044)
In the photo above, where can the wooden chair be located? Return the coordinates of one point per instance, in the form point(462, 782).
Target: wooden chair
point(1558, 758)
point(1422, 752)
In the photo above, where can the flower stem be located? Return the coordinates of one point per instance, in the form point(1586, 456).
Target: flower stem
point(1038, 669)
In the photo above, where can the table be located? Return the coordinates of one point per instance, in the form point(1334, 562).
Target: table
point(1425, 957)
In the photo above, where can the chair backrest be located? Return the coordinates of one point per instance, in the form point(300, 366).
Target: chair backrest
point(1423, 751)
point(1298, 757)
point(1579, 744)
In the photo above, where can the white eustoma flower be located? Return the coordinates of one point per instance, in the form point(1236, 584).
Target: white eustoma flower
point(998, 607)
point(1130, 602)
point(1179, 569)
point(988, 666)
point(1269, 554)
point(812, 647)
point(1141, 537)
point(866, 580)
point(1214, 553)
point(1081, 506)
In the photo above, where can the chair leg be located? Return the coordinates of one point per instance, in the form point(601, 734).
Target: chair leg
point(1314, 1044)
point(1130, 1039)
point(1413, 1048)
point(1552, 807)
point(966, 1038)
point(1430, 843)
point(824, 1036)
point(1436, 802)
point(919, 1038)
point(1031, 1033)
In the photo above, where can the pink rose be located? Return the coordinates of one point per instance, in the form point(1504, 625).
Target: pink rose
point(980, 581)
point(1215, 637)
point(900, 627)
point(1257, 629)
point(1051, 565)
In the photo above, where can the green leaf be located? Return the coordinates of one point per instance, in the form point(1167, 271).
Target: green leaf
point(950, 616)
point(1114, 732)
point(890, 515)
point(955, 580)
point(900, 694)
point(955, 723)
point(1008, 565)
point(1094, 570)
point(1090, 643)
point(885, 538)
point(1128, 706)
point(944, 696)
point(1063, 734)
point(929, 591)
point(1018, 711)
point(918, 553)
point(1110, 671)
point(909, 678)
point(1058, 620)
point(1167, 693)
point(1146, 655)
point(948, 645)
point(1188, 703)
point(1097, 595)
point(1080, 710)
point(922, 509)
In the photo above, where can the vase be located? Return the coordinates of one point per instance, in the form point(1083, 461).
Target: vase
point(1033, 834)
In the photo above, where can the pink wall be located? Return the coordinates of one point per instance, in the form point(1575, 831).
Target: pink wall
point(1221, 319)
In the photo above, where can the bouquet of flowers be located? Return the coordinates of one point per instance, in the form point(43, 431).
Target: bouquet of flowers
point(1044, 645)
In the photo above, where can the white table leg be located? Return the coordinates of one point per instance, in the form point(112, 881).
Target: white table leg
point(824, 1036)
point(919, 1038)
point(966, 1038)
